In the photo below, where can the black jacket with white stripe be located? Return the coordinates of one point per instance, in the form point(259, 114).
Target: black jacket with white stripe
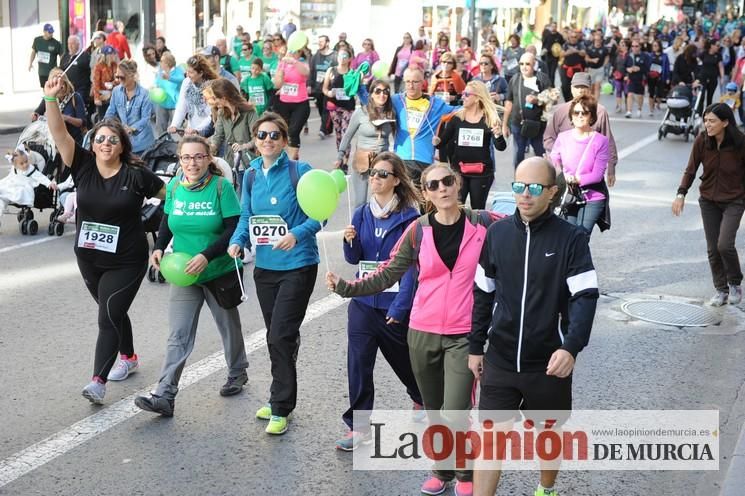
point(536, 291)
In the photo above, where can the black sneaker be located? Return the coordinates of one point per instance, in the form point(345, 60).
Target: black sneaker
point(234, 385)
point(156, 404)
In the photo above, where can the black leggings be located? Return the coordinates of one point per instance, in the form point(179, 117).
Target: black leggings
point(709, 87)
point(477, 187)
point(114, 290)
point(296, 116)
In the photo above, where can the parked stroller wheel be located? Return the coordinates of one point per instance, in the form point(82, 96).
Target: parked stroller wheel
point(33, 227)
point(29, 214)
point(23, 226)
point(161, 279)
point(53, 216)
point(50, 230)
point(59, 229)
point(20, 216)
point(660, 134)
point(151, 274)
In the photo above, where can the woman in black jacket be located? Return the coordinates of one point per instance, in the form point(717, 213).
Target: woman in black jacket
point(684, 69)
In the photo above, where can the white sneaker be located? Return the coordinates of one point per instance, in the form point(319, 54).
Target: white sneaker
point(94, 392)
point(628, 115)
point(123, 368)
point(639, 114)
point(735, 294)
point(719, 299)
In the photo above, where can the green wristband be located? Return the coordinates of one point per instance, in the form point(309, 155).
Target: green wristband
point(50, 98)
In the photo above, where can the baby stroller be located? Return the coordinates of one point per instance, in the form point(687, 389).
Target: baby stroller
point(37, 141)
point(161, 158)
point(504, 203)
point(681, 116)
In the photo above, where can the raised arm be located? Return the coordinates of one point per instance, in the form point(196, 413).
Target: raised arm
point(63, 140)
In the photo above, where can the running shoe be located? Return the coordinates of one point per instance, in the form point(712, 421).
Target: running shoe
point(352, 440)
point(463, 488)
point(322, 135)
point(156, 404)
point(735, 294)
point(305, 130)
point(418, 414)
point(94, 392)
point(628, 115)
point(543, 492)
point(234, 385)
point(719, 299)
point(277, 425)
point(639, 114)
point(265, 412)
point(124, 366)
point(434, 486)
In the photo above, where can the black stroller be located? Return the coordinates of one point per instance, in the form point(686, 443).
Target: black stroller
point(682, 115)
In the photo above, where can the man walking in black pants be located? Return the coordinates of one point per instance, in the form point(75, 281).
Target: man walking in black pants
point(321, 61)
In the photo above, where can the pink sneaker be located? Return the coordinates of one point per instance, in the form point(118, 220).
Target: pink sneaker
point(463, 488)
point(434, 486)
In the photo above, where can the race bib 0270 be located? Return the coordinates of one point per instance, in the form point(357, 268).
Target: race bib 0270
point(96, 236)
point(266, 230)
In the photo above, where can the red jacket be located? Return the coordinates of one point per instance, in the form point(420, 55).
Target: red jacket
point(120, 43)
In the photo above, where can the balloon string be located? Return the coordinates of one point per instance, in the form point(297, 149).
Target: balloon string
point(349, 200)
point(325, 251)
point(240, 280)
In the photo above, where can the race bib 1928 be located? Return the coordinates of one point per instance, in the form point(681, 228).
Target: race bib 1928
point(96, 236)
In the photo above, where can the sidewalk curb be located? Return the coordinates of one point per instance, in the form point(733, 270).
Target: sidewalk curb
point(734, 481)
point(11, 130)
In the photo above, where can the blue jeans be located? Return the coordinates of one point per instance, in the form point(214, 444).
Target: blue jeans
point(588, 215)
point(520, 142)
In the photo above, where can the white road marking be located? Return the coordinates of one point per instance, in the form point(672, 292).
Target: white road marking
point(636, 146)
point(35, 275)
point(637, 121)
point(34, 242)
point(46, 450)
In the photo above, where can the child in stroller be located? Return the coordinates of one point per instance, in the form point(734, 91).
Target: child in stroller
point(26, 187)
point(681, 116)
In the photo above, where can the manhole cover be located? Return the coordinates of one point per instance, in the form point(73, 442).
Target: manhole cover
point(670, 313)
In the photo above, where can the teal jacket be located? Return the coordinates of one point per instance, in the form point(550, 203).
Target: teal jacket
point(274, 194)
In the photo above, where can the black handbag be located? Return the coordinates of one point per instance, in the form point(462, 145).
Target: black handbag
point(227, 288)
point(530, 129)
point(573, 200)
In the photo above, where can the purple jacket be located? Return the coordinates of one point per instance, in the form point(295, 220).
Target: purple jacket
point(586, 158)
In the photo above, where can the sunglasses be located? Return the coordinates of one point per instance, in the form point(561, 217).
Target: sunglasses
point(112, 139)
point(582, 113)
point(198, 157)
point(191, 61)
point(381, 173)
point(466, 94)
point(484, 63)
point(434, 184)
point(535, 189)
point(384, 91)
point(273, 135)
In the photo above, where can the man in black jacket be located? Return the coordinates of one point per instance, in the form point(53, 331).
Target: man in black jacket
point(534, 300)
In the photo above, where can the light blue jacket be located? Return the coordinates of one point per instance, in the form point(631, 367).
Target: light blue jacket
point(420, 148)
point(274, 194)
point(172, 86)
point(136, 115)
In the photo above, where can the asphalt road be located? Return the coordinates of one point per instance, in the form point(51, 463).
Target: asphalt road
point(53, 442)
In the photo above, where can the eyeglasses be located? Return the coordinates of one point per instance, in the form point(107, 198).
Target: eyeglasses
point(466, 94)
point(582, 113)
point(111, 138)
point(381, 173)
point(535, 189)
point(484, 63)
point(384, 91)
point(276, 39)
point(434, 184)
point(411, 83)
point(634, 46)
point(120, 78)
point(343, 55)
point(198, 157)
point(526, 63)
point(273, 135)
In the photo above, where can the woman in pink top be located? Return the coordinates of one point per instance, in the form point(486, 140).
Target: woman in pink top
point(583, 155)
point(368, 54)
point(291, 78)
point(401, 61)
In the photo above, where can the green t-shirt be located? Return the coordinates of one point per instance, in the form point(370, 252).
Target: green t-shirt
point(196, 220)
point(237, 46)
point(233, 63)
point(270, 63)
point(256, 89)
point(47, 53)
point(244, 65)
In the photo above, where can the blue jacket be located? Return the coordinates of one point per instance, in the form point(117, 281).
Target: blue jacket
point(367, 246)
point(274, 194)
point(172, 86)
point(421, 149)
point(137, 117)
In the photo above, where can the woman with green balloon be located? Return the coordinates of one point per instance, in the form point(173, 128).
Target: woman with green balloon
point(283, 237)
point(201, 212)
point(168, 80)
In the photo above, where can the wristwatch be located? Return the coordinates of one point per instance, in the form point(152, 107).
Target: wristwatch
point(680, 196)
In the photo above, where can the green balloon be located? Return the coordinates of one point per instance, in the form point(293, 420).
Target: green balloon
point(158, 95)
point(172, 267)
point(296, 41)
point(606, 89)
point(317, 194)
point(340, 179)
point(380, 70)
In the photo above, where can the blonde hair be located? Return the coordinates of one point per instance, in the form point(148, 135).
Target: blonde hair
point(490, 109)
point(129, 67)
point(169, 59)
point(57, 72)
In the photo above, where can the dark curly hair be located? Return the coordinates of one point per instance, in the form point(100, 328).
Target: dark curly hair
point(127, 156)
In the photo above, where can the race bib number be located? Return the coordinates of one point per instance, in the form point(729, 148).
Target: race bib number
point(655, 68)
point(43, 57)
point(95, 236)
point(511, 64)
point(289, 89)
point(257, 97)
point(266, 230)
point(320, 76)
point(368, 267)
point(470, 137)
point(339, 94)
point(414, 119)
point(443, 95)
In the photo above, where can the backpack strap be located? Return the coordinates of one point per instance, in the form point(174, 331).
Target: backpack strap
point(293, 170)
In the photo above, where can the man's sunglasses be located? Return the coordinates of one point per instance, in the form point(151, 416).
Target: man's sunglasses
point(112, 139)
point(434, 184)
point(381, 173)
point(273, 135)
point(578, 113)
point(384, 91)
point(535, 189)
